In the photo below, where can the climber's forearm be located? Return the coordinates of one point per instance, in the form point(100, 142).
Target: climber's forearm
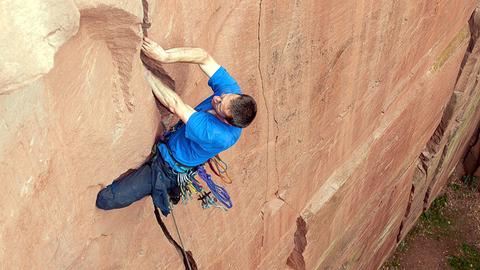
point(186, 55)
point(163, 93)
point(193, 55)
point(169, 98)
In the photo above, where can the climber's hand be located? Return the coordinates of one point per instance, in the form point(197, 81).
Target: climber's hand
point(154, 51)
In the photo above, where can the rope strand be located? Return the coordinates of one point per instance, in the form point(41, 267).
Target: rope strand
point(181, 241)
point(218, 191)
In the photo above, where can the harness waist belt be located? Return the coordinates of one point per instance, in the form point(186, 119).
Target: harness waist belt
point(183, 167)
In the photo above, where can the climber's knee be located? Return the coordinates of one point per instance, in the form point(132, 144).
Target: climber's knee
point(105, 199)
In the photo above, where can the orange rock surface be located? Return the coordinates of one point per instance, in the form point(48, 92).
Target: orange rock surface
point(362, 117)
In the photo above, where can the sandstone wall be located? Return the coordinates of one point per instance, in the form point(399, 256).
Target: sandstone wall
point(450, 140)
point(360, 122)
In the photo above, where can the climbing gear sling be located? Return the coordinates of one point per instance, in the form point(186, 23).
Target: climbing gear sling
point(219, 167)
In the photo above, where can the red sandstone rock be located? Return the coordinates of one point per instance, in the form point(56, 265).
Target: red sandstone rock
point(350, 94)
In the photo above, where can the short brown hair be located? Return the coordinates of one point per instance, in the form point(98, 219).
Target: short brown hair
point(243, 110)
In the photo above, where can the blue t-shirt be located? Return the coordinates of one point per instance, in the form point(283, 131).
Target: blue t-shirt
point(204, 135)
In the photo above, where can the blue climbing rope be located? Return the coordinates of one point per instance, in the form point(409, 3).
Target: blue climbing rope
point(218, 191)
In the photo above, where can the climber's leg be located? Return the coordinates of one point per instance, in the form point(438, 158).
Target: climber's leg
point(164, 185)
point(126, 189)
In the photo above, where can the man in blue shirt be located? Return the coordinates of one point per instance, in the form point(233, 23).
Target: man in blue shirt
point(204, 131)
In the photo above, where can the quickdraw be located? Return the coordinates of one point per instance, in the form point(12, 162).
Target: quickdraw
point(189, 186)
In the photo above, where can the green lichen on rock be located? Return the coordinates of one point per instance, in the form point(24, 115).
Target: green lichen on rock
point(469, 258)
point(457, 42)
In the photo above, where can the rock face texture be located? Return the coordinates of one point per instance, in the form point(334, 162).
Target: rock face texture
point(365, 108)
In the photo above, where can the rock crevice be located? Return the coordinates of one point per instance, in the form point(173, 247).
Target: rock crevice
point(359, 125)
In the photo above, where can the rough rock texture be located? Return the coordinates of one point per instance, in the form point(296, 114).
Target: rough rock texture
point(451, 138)
point(362, 116)
point(32, 32)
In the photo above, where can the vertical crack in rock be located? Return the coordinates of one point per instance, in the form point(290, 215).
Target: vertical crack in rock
point(432, 149)
point(474, 34)
point(434, 177)
point(448, 114)
point(407, 212)
point(146, 24)
point(259, 67)
point(296, 259)
point(156, 68)
point(262, 217)
point(276, 161)
point(433, 159)
point(115, 27)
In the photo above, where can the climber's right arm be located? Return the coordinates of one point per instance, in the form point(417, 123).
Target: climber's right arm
point(187, 55)
point(169, 98)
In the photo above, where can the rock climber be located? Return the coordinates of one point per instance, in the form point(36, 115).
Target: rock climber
point(202, 132)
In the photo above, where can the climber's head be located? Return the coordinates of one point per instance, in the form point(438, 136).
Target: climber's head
point(237, 109)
